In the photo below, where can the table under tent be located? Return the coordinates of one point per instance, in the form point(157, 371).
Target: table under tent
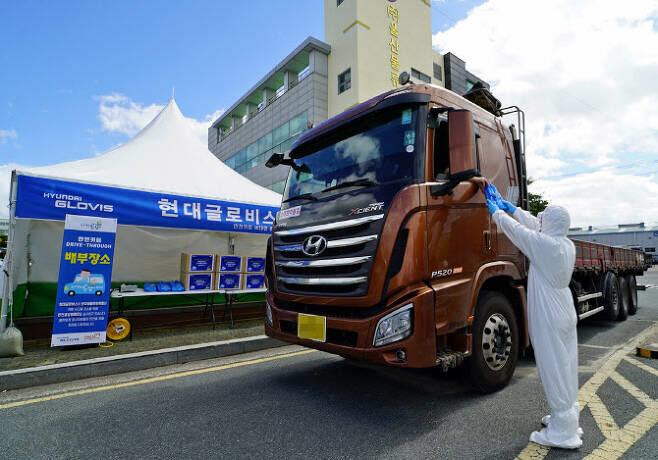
point(169, 194)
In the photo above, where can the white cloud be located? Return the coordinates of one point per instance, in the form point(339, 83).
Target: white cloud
point(201, 126)
point(585, 73)
point(7, 134)
point(604, 198)
point(120, 114)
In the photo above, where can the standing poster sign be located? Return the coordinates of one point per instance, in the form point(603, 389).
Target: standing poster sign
point(83, 288)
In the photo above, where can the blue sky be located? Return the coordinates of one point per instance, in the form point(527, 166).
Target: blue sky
point(59, 57)
point(80, 77)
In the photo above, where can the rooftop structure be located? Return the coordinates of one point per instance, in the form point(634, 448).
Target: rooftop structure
point(367, 45)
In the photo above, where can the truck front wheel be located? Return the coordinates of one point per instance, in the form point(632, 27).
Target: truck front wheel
point(495, 344)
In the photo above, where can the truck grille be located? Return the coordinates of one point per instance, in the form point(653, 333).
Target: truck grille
point(345, 252)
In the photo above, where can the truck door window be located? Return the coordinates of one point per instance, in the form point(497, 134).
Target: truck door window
point(441, 151)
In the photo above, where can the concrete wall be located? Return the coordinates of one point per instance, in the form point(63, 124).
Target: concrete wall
point(309, 95)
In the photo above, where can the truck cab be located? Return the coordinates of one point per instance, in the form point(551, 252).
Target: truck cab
point(384, 250)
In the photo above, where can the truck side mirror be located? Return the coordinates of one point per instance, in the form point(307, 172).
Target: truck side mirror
point(275, 160)
point(278, 159)
point(461, 137)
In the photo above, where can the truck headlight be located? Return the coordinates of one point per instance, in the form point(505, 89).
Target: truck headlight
point(394, 327)
point(268, 312)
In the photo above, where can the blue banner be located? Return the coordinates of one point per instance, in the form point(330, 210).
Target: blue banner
point(83, 288)
point(51, 199)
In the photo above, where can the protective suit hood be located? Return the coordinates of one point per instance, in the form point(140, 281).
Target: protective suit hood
point(555, 221)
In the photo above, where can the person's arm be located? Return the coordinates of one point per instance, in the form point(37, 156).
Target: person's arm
point(526, 219)
point(527, 240)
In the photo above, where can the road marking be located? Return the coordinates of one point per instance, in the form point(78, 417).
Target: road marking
point(620, 440)
point(152, 379)
point(632, 389)
point(641, 365)
point(602, 416)
point(616, 445)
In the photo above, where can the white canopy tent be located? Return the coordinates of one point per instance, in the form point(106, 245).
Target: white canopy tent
point(166, 159)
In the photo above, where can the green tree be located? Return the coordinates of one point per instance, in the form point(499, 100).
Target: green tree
point(3, 246)
point(536, 202)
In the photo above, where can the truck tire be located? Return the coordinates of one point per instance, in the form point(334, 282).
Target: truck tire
point(611, 296)
point(495, 344)
point(624, 299)
point(632, 287)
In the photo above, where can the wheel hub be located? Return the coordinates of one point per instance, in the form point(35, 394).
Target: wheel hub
point(496, 341)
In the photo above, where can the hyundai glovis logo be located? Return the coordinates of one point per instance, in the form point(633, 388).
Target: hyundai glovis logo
point(314, 245)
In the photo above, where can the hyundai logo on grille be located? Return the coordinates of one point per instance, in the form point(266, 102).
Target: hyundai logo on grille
point(314, 245)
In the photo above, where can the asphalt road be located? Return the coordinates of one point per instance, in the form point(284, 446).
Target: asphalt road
point(294, 403)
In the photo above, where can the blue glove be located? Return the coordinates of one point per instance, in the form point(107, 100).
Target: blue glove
point(509, 207)
point(492, 193)
point(493, 207)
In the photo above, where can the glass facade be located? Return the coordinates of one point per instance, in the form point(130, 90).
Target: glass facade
point(276, 141)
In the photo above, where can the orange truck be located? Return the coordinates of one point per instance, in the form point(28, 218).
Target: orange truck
point(384, 250)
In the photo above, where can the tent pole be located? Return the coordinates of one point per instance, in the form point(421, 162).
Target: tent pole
point(7, 269)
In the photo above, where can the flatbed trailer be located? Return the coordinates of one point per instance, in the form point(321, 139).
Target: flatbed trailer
point(604, 280)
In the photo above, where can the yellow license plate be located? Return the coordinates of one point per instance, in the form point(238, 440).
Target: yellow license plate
point(312, 327)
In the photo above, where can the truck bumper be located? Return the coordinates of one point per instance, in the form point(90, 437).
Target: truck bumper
point(353, 337)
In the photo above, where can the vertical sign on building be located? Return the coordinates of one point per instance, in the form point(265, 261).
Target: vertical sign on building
point(83, 288)
point(394, 15)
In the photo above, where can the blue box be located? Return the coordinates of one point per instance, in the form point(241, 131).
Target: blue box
point(197, 262)
point(229, 281)
point(255, 264)
point(230, 264)
point(197, 281)
point(254, 282)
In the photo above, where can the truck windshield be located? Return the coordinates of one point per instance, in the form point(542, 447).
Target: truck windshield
point(378, 149)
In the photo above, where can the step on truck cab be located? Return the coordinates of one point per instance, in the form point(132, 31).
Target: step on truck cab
point(384, 250)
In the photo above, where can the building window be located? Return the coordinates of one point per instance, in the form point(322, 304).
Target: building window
point(469, 85)
point(437, 72)
point(345, 81)
point(338, 2)
point(650, 249)
point(420, 76)
point(280, 140)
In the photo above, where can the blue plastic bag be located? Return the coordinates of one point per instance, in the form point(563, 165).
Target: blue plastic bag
point(176, 286)
point(163, 286)
point(149, 287)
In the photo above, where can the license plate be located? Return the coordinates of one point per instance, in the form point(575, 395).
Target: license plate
point(312, 327)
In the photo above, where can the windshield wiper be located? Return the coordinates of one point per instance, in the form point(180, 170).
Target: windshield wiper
point(352, 183)
point(303, 196)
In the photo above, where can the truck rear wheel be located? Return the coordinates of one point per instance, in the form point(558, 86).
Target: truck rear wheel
point(611, 296)
point(632, 287)
point(495, 344)
point(624, 299)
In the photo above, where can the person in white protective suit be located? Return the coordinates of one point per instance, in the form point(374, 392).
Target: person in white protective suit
point(551, 313)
